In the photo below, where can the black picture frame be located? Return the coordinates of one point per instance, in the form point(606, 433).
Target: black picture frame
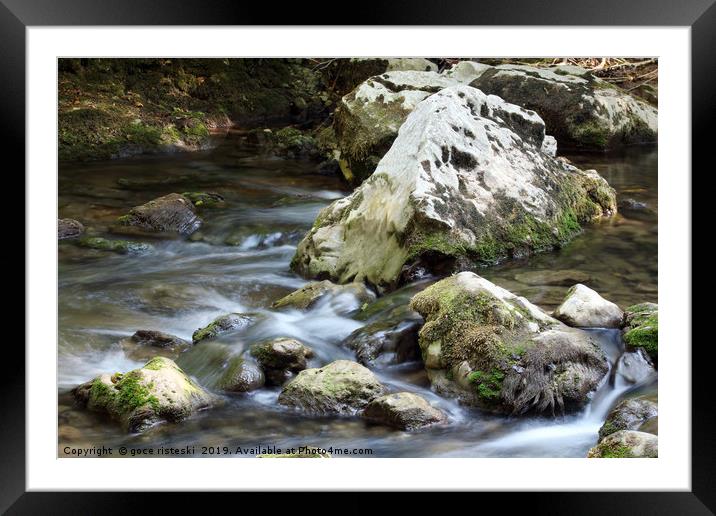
point(699, 15)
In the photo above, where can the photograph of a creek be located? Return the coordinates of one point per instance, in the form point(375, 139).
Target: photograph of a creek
point(444, 257)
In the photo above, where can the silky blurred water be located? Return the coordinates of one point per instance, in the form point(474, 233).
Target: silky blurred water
point(239, 262)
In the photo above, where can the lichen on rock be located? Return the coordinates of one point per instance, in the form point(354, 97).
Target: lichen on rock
point(626, 444)
point(223, 324)
point(491, 348)
point(465, 182)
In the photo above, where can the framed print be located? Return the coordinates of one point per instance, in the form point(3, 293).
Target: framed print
point(433, 250)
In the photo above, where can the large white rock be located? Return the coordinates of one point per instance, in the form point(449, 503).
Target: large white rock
point(585, 308)
point(466, 180)
point(367, 119)
point(578, 108)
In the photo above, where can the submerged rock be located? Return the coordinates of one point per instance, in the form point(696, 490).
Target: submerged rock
point(403, 410)
point(241, 375)
point(145, 344)
point(579, 110)
point(488, 347)
point(341, 387)
point(388, 339)
point(69, 228)
point(629, 414)
point(172, 213)
point(115, 246)
point(204, 199)
point(157, 392)
point(584, 308)
point(223, 324)
point(466, 182)
point(626, 444)
point(641, 328)
point(281, 358)
point(308, 295)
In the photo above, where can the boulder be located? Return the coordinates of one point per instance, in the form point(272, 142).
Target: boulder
point(635, 367)
point(115, 246)
point(145, 344)
point(641, 328)
point(281, 358)
point(157, 392)
point(403, 410)
point(223, 324)
point(69, 228)
point(391, 338)
point(626, 444)
point(493, 349)
point(241, 375)
point(172, 213)
point(579, 110)
point(628, 414)
point(309, 295)
point(584, 308)
point(465, 183)
point(341, 387)
point(367, 119)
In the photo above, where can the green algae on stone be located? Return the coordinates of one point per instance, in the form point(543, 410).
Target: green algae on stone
point(223, 324)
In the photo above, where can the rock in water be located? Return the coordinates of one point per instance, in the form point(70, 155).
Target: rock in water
point(403, 410)
point(341, 387)
point(145, 344)
point(629, 414)
point(626, 444)
point(223, 324)
point(641, 328)
point(580, 110)
point(281, 358)
point(69, 228)
point(492, 349)
point(157, 392)
point(241, 375)
point(172, 213)
point(309, 295)
point(465, 182)
point(584, 308)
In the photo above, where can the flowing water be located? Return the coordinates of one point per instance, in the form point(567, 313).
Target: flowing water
point(239, 262)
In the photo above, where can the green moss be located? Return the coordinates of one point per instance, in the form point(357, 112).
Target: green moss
point(488, 385)
point(616, 452)
point(101, 394)
point(132, 394)
point(591, 133)
point(607, 428)
point(642, 329)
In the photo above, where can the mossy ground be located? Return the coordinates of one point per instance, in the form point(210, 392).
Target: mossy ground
point(113, 107)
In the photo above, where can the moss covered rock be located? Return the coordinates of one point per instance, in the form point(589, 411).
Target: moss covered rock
point(490, 348)
point(579, 110)
point(281, 358)
point(157, 392)
point(324, 291)
point(171, 213)
point(584, 308)
point(465, 183)
point(341, 387)
point(69, 228)
point(403, 410)
point(628, 414)
point(223, 324)
point(626, 444)
point(641, 328)
point(204, 199)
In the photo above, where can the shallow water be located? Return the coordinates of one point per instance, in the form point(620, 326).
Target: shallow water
point(239, 263)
